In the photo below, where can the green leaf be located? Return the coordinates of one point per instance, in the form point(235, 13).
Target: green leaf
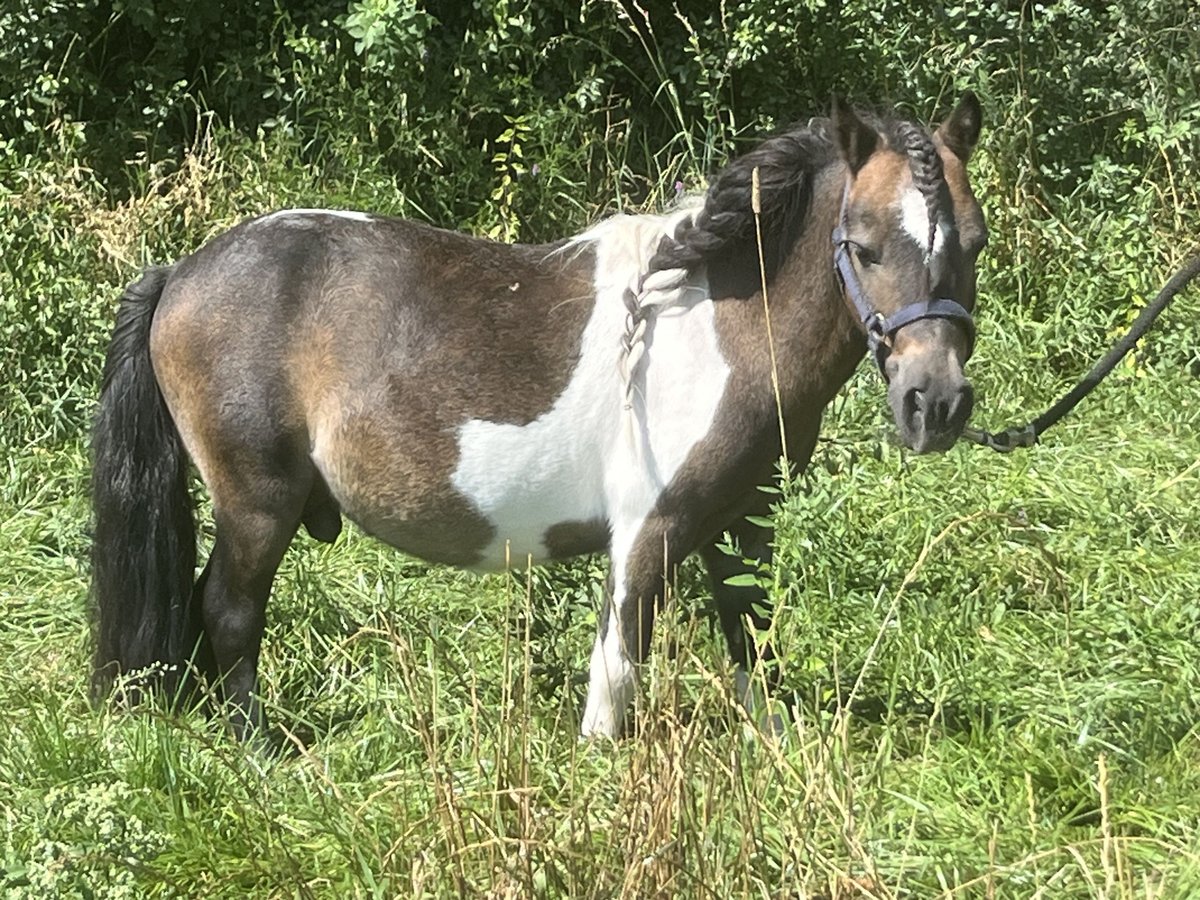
point(743, 579)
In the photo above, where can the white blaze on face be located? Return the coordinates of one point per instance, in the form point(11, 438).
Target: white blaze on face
point(914, 219)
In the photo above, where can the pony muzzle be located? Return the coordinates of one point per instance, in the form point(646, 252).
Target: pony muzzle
point(930, 396)
point(932, 419)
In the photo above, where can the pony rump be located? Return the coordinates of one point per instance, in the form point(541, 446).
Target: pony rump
point(144, 544)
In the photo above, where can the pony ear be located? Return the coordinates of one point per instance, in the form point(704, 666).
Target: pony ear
point(960, 131)
point(856, 139)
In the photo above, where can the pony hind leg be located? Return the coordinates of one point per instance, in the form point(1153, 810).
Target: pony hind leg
point(255, 524)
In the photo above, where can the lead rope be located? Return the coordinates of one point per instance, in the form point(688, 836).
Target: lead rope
point(1027, 435)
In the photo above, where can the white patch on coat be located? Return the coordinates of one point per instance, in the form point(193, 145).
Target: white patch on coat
point(572, 463)
point(589, 457)
point(338, 213)
point(914, 219)
point(676, 392)
point(526, 478)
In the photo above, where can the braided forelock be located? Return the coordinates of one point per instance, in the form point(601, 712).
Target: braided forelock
point(925, 163)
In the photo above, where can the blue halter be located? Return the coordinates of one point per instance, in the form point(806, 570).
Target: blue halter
point(881, 330)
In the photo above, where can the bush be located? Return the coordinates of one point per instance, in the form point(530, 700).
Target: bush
point(527, 121)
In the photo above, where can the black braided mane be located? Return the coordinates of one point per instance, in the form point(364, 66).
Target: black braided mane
point(722, 234)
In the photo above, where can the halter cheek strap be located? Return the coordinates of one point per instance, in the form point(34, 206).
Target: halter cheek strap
point(881, 330)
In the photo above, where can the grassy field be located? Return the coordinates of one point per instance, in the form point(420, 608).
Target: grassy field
point(993, 659)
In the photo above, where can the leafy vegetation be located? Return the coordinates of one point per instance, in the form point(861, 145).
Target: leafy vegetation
point(993, 659)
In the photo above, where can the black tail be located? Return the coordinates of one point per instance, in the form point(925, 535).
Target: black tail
point(144, 545)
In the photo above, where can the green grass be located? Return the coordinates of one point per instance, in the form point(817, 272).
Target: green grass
point(993, 659)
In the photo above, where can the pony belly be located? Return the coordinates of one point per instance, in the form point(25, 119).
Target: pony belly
point(503, 505)
point(543, 494)
point(518, 544)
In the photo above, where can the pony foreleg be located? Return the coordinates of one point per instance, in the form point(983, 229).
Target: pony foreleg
point(636, 587)
point(741, 604)
point(612, 678)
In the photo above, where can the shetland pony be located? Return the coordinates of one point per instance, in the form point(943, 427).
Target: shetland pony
point(472, 402)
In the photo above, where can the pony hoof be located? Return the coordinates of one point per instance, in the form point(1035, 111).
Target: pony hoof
point(599, 732)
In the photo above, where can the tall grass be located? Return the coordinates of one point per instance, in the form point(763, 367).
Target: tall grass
point(995, 683)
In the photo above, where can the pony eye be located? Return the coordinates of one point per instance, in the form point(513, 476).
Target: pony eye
point(865, 255)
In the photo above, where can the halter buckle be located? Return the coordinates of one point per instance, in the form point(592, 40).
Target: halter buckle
point(877, 327)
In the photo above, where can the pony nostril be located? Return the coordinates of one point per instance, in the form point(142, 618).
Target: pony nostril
point(938, 411)
point(914, 405)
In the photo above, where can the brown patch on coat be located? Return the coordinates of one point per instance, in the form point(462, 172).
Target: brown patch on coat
point(817, 346)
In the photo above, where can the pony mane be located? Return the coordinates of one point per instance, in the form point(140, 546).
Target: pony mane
point(720, 234)
point(722, 230)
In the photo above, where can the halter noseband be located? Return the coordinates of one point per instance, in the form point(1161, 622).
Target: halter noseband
point(881, 329)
